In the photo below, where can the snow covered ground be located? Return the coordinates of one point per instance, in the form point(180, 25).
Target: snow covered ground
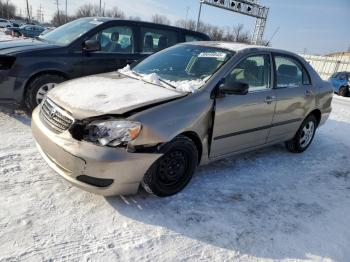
point(4, 37)
point(261, 206)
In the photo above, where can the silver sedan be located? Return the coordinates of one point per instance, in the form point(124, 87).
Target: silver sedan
point(154, 122)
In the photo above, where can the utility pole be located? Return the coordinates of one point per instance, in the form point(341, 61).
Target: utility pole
point(100, 12)
point(199, 14)
point(8, 13)
point(66, 12)
point(187, 9)
point(28, 11)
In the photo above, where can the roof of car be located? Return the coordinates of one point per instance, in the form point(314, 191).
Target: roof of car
point(237, 47)
point(108, 19)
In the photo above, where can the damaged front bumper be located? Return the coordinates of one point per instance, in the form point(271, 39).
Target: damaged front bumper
point(101, 170)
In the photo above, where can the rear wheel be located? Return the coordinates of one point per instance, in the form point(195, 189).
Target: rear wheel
point(174, 170)
point(304, 136)
point(343, 91)
point(38, 88)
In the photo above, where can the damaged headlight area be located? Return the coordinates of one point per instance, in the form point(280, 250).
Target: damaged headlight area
point(112, 132)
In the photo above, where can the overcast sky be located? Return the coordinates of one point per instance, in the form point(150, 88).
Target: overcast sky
point(317, 26)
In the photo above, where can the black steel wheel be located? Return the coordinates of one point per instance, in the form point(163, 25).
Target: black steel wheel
point(174, 170)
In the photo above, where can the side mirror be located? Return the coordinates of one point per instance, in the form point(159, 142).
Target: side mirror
point(91, 46)
point(233, 88)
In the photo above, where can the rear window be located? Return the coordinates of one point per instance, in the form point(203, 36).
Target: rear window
point(154, 40)
point(192, 38)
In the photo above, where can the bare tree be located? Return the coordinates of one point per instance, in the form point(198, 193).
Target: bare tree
point(160, 19)
point(116, 13)
point(59, 19)
point(7, 9)
point(188, 24)
point(57, 3)
point(135, 18)
point(87, 10)
point(240, 34)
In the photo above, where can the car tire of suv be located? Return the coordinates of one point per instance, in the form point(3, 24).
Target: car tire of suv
point(35, 85)
point(343, 91)
point(174, 170)
point(305, 133)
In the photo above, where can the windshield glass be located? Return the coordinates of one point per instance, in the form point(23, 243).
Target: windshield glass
point(66, 34)
point(184, 64)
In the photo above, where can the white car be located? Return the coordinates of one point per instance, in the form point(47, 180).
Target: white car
point(4, 23)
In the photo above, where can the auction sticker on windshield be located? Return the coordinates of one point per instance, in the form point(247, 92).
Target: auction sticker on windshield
point(217, 55)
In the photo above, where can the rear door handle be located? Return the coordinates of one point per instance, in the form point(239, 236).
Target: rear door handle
point(270, 99)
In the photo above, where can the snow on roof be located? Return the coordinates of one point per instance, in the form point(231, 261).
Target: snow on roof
point(228, 45)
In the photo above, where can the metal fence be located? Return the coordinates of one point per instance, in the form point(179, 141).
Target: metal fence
point(326, 66)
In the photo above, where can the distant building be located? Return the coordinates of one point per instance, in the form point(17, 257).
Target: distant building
point(339, 54)
point(327, 65)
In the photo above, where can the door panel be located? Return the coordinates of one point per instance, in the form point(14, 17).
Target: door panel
point(295, 98)
point(241, 122)
point(244, 121)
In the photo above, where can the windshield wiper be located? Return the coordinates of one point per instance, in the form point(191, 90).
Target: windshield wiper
point(159, 78)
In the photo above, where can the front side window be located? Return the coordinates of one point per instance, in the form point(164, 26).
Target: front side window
point(154, 40)
point(117, 39)
point(254, 71)
point(289, 73)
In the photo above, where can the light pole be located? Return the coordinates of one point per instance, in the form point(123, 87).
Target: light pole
point(100, 9)
point(66, 12)
point(186, 21)
point(199, 14)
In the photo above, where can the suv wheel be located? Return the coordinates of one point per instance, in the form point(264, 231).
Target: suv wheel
point(344, 91)
point(38, 88)
point(174, 170)
point(304, 136)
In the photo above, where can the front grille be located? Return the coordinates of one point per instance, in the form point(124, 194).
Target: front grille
point(55, 117)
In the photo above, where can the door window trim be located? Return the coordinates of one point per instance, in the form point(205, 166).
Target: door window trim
point(297, 61)
point(252, 54)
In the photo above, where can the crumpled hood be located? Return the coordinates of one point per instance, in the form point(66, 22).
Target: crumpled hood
point(16, 46)
point(109, 93)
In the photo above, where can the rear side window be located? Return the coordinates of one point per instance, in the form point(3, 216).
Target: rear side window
point(192, 38)
point(154, 40)
point(290, 73)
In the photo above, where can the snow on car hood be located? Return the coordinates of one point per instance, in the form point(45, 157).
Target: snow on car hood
point(189, 86)
point(108, 94)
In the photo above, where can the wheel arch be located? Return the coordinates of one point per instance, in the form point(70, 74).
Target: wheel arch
point(196, 140)
point(317, 113)
point(41, 73)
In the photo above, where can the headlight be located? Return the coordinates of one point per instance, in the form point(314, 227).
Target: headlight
point(112, 132)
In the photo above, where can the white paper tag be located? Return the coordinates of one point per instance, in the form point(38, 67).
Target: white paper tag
point(217, 55)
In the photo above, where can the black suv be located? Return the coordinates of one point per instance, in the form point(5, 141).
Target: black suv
point(29, 68)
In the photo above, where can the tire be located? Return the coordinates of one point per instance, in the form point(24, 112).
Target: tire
point(38, 86)
point(174, 170)
point(343, 91)
point(304, 136)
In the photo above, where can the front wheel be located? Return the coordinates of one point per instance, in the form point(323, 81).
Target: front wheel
point(304, 136)
point(343, 91)
point(174, 170)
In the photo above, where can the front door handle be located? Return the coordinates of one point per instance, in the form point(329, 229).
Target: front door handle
point(308, 93)
point(270, 99)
